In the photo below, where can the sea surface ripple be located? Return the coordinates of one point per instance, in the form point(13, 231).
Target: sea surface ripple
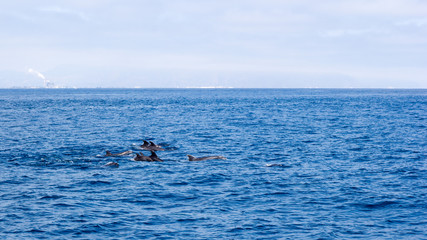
point(301, 164)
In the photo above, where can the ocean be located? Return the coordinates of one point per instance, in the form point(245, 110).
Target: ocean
point(301, 164)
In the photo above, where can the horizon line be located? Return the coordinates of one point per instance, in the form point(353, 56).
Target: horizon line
point(214, 88)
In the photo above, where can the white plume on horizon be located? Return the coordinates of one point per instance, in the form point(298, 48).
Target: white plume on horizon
point(37, 73)
point(46, 82)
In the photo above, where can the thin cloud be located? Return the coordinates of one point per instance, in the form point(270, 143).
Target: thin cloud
point(384, 8)
point(417, 22)
point(336, 33)
point(64, 11)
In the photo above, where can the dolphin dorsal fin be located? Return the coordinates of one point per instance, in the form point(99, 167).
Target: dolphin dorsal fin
point(190, 158)
point(153, 154)
point(145, 143)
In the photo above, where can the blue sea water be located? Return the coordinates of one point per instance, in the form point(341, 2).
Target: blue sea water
point(301, 164)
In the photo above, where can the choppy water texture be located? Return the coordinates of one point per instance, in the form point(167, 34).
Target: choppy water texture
point(302, 164)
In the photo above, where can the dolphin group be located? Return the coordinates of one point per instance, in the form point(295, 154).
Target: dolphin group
point(152, 147)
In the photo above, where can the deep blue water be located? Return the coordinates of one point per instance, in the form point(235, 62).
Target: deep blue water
point(351, 164)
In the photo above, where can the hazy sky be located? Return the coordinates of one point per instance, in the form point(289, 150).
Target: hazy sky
point(208, 43)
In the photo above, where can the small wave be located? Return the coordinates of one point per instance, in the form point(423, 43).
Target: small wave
point(140, 202)
point(355, 149)
point(35, 231)
point(178, 184)
point(99, 182)
point(90, 228)
point(52, 197)
point(62, 205)
point(277, 194)
point(99, 175)
point(136, 147)
point(377, 205)
point(10, 182)
point(187, 220)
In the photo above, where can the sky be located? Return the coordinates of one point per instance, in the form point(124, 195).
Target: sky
point(214, 43)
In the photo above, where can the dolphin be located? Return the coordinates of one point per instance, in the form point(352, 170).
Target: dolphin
point(192, 158)
point(111, 164)
point(155, 147)
point(154, 157)
point(109, 154)
point(150, 146)
point(141, 157)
